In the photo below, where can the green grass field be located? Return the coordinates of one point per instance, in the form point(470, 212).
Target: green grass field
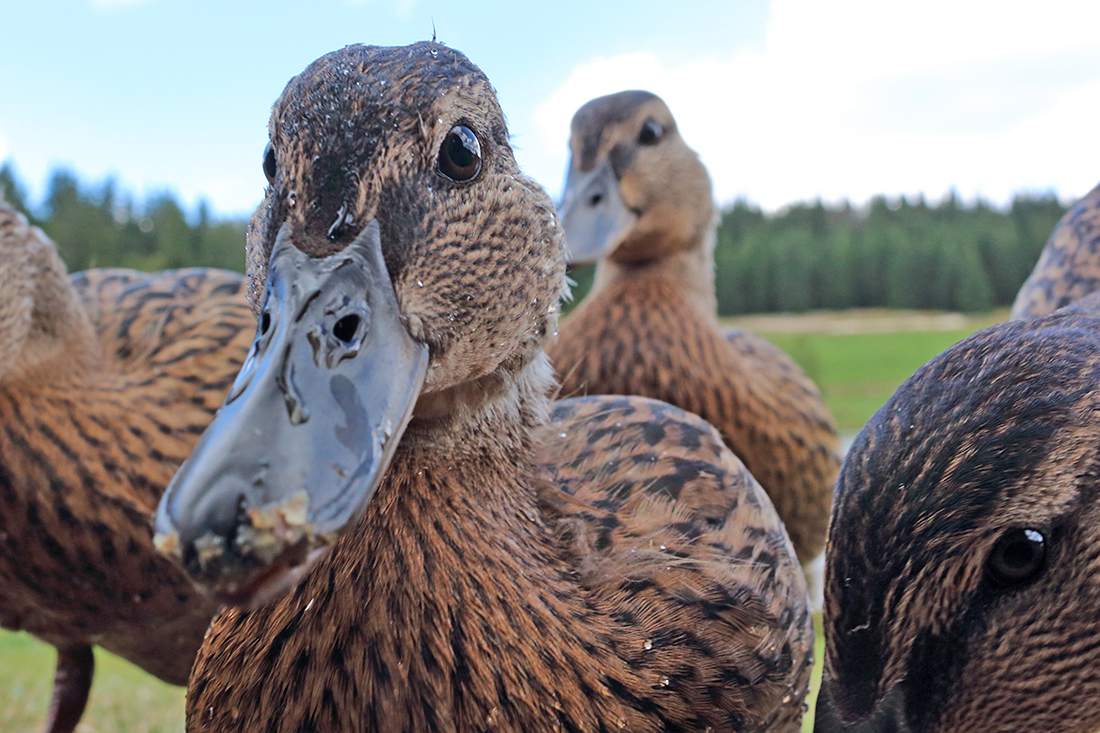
point(858, 371)
point(855, 358)
point(124, 699)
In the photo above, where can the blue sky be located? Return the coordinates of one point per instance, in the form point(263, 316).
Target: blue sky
point(785, 100)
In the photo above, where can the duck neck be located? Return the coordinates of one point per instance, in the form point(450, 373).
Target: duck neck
point(463, 571)
point(474, 468)
point(496, 412)
point(689, 270)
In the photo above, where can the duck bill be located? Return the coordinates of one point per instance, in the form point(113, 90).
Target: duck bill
point(307, 431)
point(887, 715)
point(593, 213)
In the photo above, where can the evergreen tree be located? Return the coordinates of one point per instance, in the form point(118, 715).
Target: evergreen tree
point(12, 191)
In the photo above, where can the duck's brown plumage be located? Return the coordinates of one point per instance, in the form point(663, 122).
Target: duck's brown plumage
point(107, 379)
point(477, 596)
point(962, 579)
point(1069, 267)
point(603, 564)
point(649, 326)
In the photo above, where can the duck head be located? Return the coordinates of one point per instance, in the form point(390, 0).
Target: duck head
point(42, 323)
point(635, 191)
point(403, 271)
point(962, 582)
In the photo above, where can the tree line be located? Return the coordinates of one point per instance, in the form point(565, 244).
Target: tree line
point(97, 225)
point(891, 253)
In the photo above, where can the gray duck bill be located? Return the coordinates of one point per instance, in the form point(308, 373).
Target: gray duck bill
point(593, 213)
point(307, 431)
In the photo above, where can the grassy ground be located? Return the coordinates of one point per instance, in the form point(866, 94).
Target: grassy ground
point(124, 699)
point(858, 360)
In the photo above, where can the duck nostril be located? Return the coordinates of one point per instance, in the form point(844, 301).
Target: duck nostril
point(265, 323)
point(345, 328)
point(596, 199)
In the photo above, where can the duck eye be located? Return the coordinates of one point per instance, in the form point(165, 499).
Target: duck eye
point(1018, 557)
point(269, 163)
point(345, 328)
point(651, 133)
point(460, 156)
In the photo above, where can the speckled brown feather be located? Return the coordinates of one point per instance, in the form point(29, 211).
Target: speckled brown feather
point(644, 337)
point(107, 386)
point(653, 482)
point(648, 327)
point(662, 596)
point(1069, 267)
point(997, 434)
point(508, 573)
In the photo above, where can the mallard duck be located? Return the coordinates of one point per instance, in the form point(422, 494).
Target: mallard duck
point(438, 545)
point(1069, 267)
point(107, 378)
point(961, 582)
point(638, 200)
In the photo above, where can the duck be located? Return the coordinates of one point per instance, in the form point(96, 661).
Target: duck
point(107, 379)
point(409, 533)
point(638, 202)
point(960, 571)
point(1069, 266)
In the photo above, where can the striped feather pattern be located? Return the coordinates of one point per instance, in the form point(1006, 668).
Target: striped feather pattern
point(124, 379)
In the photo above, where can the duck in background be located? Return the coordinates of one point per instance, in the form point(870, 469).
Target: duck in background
point(1069, 266)
point(638, 200)
point(107, 379)
point(440, 546)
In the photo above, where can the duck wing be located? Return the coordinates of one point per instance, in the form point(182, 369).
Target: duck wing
point(191, 325)
point(1069, 267)
point(795, 446)
point(680, 545)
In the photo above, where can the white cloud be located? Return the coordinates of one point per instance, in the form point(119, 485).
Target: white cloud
point(856, 97)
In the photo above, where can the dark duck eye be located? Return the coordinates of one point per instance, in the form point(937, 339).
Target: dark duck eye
point(269, 163)
point(1018, 557)
point(460, 156)
point(346, 328)
point(651, 133)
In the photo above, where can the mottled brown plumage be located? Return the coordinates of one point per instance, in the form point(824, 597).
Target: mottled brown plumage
point(605, 564)
point(962, 579)
point(107, 379)
point(1069, 267)
point(649, 326)
point(475, 595)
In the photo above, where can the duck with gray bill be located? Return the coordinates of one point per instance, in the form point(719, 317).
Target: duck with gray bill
point(501, 561)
